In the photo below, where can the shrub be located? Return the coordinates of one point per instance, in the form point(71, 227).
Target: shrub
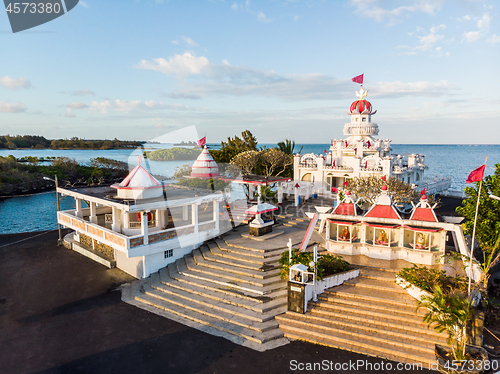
point(326, 265)
point(427, 279)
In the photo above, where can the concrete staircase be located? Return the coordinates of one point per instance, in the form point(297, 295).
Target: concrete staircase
point(369, 315)
point(223, 289)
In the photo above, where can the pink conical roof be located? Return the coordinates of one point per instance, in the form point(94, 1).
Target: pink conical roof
point(205, 166)
point(139, 178)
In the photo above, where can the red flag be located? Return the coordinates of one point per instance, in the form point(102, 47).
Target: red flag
point(366, 164)
point(324, 151)
point(356, 151)
point(476, 175)
point(297, 185)
point(384, 178)
point(332, 142)
point(305, 162)
point(333, 162)
point(313, 178)
point(334, 190)
point(423, 192)
point(202, 141)
point(346, 184)
point(346, 143)
point(358, 79)
point(369, 144)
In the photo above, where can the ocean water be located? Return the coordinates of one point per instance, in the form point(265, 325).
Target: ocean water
point(38, 212)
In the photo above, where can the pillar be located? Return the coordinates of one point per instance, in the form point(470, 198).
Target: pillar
point(194, 216)
point(93, 213)
point(144, 227)
point(115, 225)
point(250, 191)
point(79, 210)
point(216, 214)
point(280, 193)
point(185, 212)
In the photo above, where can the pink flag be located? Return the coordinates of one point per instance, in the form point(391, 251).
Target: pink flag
point(324, 151)
point(358, 79)
point(423, 192)
point(202, 141)
point(346, 184)
point(384, 178)
point(476, 175)
point(334, 190)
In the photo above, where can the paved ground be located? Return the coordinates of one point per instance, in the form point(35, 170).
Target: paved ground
point(60, 313)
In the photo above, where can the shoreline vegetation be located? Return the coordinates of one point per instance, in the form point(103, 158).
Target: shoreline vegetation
point(40, 142)
point(173, 154)
point(25, 176)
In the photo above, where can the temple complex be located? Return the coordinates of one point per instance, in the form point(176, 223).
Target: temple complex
point(361, 154)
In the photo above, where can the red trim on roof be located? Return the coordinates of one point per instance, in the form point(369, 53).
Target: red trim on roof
point(423, 214)
point(428, 229)
point(203, 175)
point(383, 211)
point(118, 187)
point(382, 225)
point(264, 211)
point(340, 222)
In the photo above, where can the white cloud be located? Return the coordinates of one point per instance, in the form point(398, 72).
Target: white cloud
point(421, 88)
point(373, 9)
point(494, 39)
point(224, 79)
point(6, 107)
point(179, 65)
point(175, 42)
point(296, 18)
point(427, 41)
point(483, 25)
point(234, 6)
point(13, 83)
point(261, 17)
point(83, 92)
point(189, 41)
point(75, 105)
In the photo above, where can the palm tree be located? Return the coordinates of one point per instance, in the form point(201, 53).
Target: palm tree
point(449, 313)
point(288, 146)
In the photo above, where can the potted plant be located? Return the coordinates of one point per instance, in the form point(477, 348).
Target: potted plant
point(452, 312)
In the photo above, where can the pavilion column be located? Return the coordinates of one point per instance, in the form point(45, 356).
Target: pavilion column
point(250, 191)
point(216, 214)
point(296, 195)
point(280, 193)
point(144, 227)
point(79, 210)
point(194, 216)
point(115, 225)
point(93, 213)
point(185, 212)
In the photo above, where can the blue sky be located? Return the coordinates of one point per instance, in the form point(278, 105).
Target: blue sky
point(281, 69)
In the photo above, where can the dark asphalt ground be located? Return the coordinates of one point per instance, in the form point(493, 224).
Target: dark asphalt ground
point(60, 313)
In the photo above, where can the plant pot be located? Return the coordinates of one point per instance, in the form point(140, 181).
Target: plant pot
point(447, 364)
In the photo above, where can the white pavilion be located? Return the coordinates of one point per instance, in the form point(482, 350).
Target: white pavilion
point(361, 154)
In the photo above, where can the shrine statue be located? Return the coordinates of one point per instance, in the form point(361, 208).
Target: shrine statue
point(421, 243)
point(382, 238)
point(345, 234)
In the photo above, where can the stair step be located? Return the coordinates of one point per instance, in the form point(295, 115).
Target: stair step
point(227, 313)
point(274, 251)
point(269, 301)
point(220, 324)
point(362, 343)
point(258, 308)
point(266, 256)
point(242, 273)
point(374, 284)
point(216, 254)
point(416, 330)
point(255, 286)
point(360, 294)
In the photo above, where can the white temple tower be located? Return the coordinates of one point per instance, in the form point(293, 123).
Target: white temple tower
point(205, 166)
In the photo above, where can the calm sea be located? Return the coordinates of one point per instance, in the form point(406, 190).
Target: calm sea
point(37, 212)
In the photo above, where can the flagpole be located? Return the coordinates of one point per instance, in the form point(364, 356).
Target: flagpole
point(471, 255)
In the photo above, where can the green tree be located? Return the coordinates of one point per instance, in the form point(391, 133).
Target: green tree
point(288, 147)
point(248, 142)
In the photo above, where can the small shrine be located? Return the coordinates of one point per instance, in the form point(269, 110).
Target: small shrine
point(261, 224)
point(382, 232)
point(138, 184)
point(205, 166)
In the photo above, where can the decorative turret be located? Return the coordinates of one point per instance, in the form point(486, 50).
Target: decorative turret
point(360, 128)
point(139, 184)
point(205, 166)
point(383, 207)
point(423, 211)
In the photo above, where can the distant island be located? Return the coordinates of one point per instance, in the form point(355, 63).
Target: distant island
point(40, 142)
point(25, 175)
point(188, 144)
point(173, 154)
